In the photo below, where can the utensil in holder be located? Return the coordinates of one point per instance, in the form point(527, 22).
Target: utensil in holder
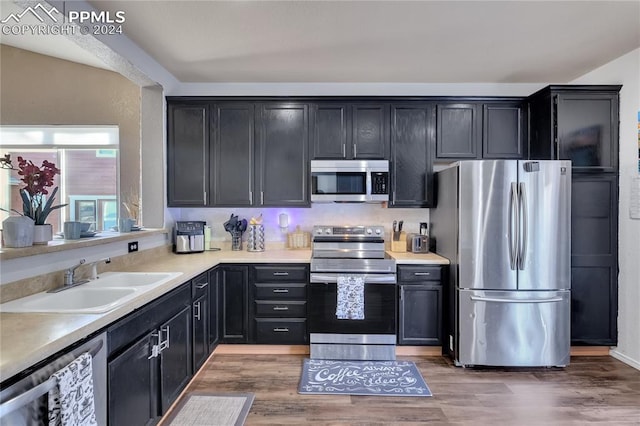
point(236, 240)
point(255, 240)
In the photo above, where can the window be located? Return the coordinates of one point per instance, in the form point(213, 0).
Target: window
point(88, 159)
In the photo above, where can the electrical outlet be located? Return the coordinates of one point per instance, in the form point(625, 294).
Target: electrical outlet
point(133, 246)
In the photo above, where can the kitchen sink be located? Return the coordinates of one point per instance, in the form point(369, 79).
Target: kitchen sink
point(131, 279)
point(77, 300)
point(107, 292)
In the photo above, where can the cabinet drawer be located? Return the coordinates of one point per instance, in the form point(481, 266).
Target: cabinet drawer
point(419, 273)
point(281, 291)
point(290, 309)
point(281, 273)
point(199, 285)
point(292, 331)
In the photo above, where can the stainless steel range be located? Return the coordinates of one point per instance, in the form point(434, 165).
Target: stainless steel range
point(353, 295)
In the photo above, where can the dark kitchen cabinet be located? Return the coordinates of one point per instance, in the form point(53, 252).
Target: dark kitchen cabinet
point(282, 167)
point(279, 303)
point(232, 154)
point(329, 133)
point(412, 146)
point(457, 131)
point(504, 130)
point(350, 130)
point(200, 316)
point(187, 154)
point(577, 123)
point(149, 359)
point(234, 303)
point(594, 259)
point(214, 308)
point(420, 311)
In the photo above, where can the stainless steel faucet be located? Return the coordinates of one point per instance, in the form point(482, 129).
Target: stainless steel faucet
point(68, 274)
point(69, 278)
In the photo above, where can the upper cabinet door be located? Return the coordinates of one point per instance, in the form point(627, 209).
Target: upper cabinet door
point(329, 136)
point(503, 130)
point(232, 154)
point(412, 141)
point(587, 129)
point(457, 133)
point(187, 155)
point(370, 131)
point(282, 170)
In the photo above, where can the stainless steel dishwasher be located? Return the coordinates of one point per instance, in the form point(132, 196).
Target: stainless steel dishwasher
point(24, 402)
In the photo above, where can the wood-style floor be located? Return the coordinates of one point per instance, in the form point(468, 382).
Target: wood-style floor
point(590, 390)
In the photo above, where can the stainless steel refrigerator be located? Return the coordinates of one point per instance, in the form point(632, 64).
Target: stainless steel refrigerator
point(505, 226)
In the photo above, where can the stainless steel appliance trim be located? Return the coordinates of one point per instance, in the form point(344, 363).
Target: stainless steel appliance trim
point(499, 300)
point(352, 352)
point(344, 245)
point(368, 279)
point(513, 235)
point(364, 339)
point(349, 165)
point(523, 237)
point(362, 266)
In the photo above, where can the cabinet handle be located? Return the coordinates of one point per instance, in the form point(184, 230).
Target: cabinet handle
point(421, 274)
point(164, 344)
point(205, 198)
point(281, 290)
point(281, 330)
point(201, 286)
point(196, 311)
point(280, 274)
point(250, 197)
point(355, 151)
point(261, 197)
point(344, 149)
point(280, 308)
point(155, 350)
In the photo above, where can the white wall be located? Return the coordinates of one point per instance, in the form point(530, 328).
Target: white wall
point(626, 71)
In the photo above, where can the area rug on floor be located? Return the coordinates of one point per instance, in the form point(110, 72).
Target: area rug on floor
point(208, 409)
point(388, 378)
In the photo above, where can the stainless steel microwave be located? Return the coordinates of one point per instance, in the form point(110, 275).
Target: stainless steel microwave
point(349, 181)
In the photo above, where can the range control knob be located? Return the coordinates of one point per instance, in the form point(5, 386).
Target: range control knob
point(327, 231)
point(369, 231)
point(378, 231)
point(319, 231)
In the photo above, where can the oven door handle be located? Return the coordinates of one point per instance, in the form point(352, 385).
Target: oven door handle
point(368, 279)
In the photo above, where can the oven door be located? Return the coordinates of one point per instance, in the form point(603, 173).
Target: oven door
point(380, 305)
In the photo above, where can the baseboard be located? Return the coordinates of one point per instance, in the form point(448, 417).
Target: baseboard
point(621, 357)
point(242, 349)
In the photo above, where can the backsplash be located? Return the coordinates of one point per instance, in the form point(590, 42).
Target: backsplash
point(318, 214)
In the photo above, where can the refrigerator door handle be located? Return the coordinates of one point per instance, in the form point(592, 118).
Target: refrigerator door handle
point(513, 236)
point(524, 236)
point(493, 299)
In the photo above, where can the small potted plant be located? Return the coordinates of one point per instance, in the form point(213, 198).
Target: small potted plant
point(35, 203)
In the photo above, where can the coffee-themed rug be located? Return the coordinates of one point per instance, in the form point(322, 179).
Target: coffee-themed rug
point(384, 378)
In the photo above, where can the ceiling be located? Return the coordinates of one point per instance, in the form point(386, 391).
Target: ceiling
point(380, 41)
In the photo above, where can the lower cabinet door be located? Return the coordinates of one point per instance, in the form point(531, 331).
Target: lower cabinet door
point(175, 357)
point(420, 315)
point(281, 331)
point(133, 385)
point(200, 331)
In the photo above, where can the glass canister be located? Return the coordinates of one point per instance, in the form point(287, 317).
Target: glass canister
point(255, 238)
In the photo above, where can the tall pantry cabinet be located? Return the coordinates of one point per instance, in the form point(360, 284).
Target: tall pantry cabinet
point(580, 123)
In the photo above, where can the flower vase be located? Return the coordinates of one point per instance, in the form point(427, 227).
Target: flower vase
point(42, 234)
point(17, 231)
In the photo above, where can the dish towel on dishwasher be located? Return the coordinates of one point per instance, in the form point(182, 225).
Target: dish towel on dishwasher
point(350, 303)
point(71, 401)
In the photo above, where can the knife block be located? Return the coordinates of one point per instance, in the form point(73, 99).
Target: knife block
point(399, 245)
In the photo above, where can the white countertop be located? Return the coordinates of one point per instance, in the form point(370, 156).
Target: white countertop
point(28, 338)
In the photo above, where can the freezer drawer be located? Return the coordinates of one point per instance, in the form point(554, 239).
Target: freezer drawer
point(513, 328)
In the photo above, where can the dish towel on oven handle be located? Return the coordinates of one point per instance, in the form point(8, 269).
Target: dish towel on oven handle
point(350, 303)
point(71, 401)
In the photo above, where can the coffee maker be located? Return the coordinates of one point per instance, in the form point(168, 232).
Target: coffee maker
point(188, 237)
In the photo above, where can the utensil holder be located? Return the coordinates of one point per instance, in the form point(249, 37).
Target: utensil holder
point(255, 240)
point(236, 241)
